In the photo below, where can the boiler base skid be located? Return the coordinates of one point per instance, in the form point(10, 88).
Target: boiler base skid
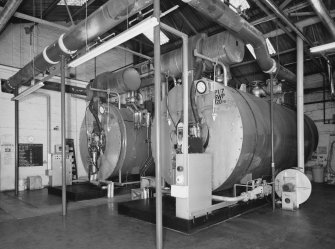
point(87, 191)
point(145, 209)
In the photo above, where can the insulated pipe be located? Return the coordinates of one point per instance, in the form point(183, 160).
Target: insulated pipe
point(300, 104)
point(158, 165)
point(7, 12)
point(321, 11)
point(103, 19)
point(219, 12)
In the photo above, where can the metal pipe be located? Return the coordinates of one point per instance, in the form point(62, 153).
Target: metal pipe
point(300, 103)
point(68, 11)
point(223, 15)
point(185, 87)
point(330, 78)
point(283, 17)
point(300, 25)
point(16, 143)
point(266, 11)
point(135, 53)
point(332, 88)
point(38, 20)
point(62, 69)
point(7, 12)
point(321, 11)
point(272, 142)
point(225, 80)
point(228, 199)
point(108, 15)
point(158, 165)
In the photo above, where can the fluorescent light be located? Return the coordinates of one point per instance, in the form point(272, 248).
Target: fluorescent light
point(251, 50)
point(150, 35)
point(130, 33)
point(72, 2)
point(323, 47)
point(28, 91)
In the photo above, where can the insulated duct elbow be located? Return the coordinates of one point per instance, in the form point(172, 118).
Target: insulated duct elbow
point(219, 12)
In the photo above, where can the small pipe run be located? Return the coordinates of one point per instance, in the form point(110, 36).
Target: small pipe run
point(229, 199)
point(323, 14)
point(331, 79)
point(7, 12)
point(225, 75)
point(109, 92)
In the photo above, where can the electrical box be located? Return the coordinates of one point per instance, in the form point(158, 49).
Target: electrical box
point(193, 188)
point(56, 164)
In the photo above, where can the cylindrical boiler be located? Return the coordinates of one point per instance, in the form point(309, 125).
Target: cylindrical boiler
point(240, 135)
point(236, 131)
point(126, 146)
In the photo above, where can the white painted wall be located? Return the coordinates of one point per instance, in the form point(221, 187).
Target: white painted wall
point(326, 131)
point(16, 51)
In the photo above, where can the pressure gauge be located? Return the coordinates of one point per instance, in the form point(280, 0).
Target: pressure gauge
point(102, 109)
point(201, 87)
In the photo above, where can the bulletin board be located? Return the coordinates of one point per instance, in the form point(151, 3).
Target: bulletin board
point(30, 155)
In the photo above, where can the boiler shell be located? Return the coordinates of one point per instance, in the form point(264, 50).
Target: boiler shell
point(240, 136)
point(126, 147)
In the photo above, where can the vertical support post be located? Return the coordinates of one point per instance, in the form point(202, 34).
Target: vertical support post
point(16, 107)
point(300, 104)
point(272, 143)
point(157, 65)
point(62, 69)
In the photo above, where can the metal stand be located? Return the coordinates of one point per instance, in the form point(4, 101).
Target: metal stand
point(16, 92)
point(62, 69)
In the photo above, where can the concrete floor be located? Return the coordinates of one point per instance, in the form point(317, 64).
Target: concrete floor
point(99, 226)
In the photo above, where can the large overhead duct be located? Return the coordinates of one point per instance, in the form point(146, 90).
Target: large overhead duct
point(223, 15)
point(324, 16)
point(7, 12)
point(107, 16)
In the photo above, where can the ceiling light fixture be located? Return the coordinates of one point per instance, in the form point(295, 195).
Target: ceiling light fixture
point(130, 33)
point(28, 91)
point(322, 48)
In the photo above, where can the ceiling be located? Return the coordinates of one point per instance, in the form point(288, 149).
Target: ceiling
point(189, 21)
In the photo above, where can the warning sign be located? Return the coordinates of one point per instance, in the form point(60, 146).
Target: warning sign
point(219, 95)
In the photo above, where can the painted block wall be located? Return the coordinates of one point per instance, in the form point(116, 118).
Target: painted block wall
point(16, 51)
point(326, 131)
